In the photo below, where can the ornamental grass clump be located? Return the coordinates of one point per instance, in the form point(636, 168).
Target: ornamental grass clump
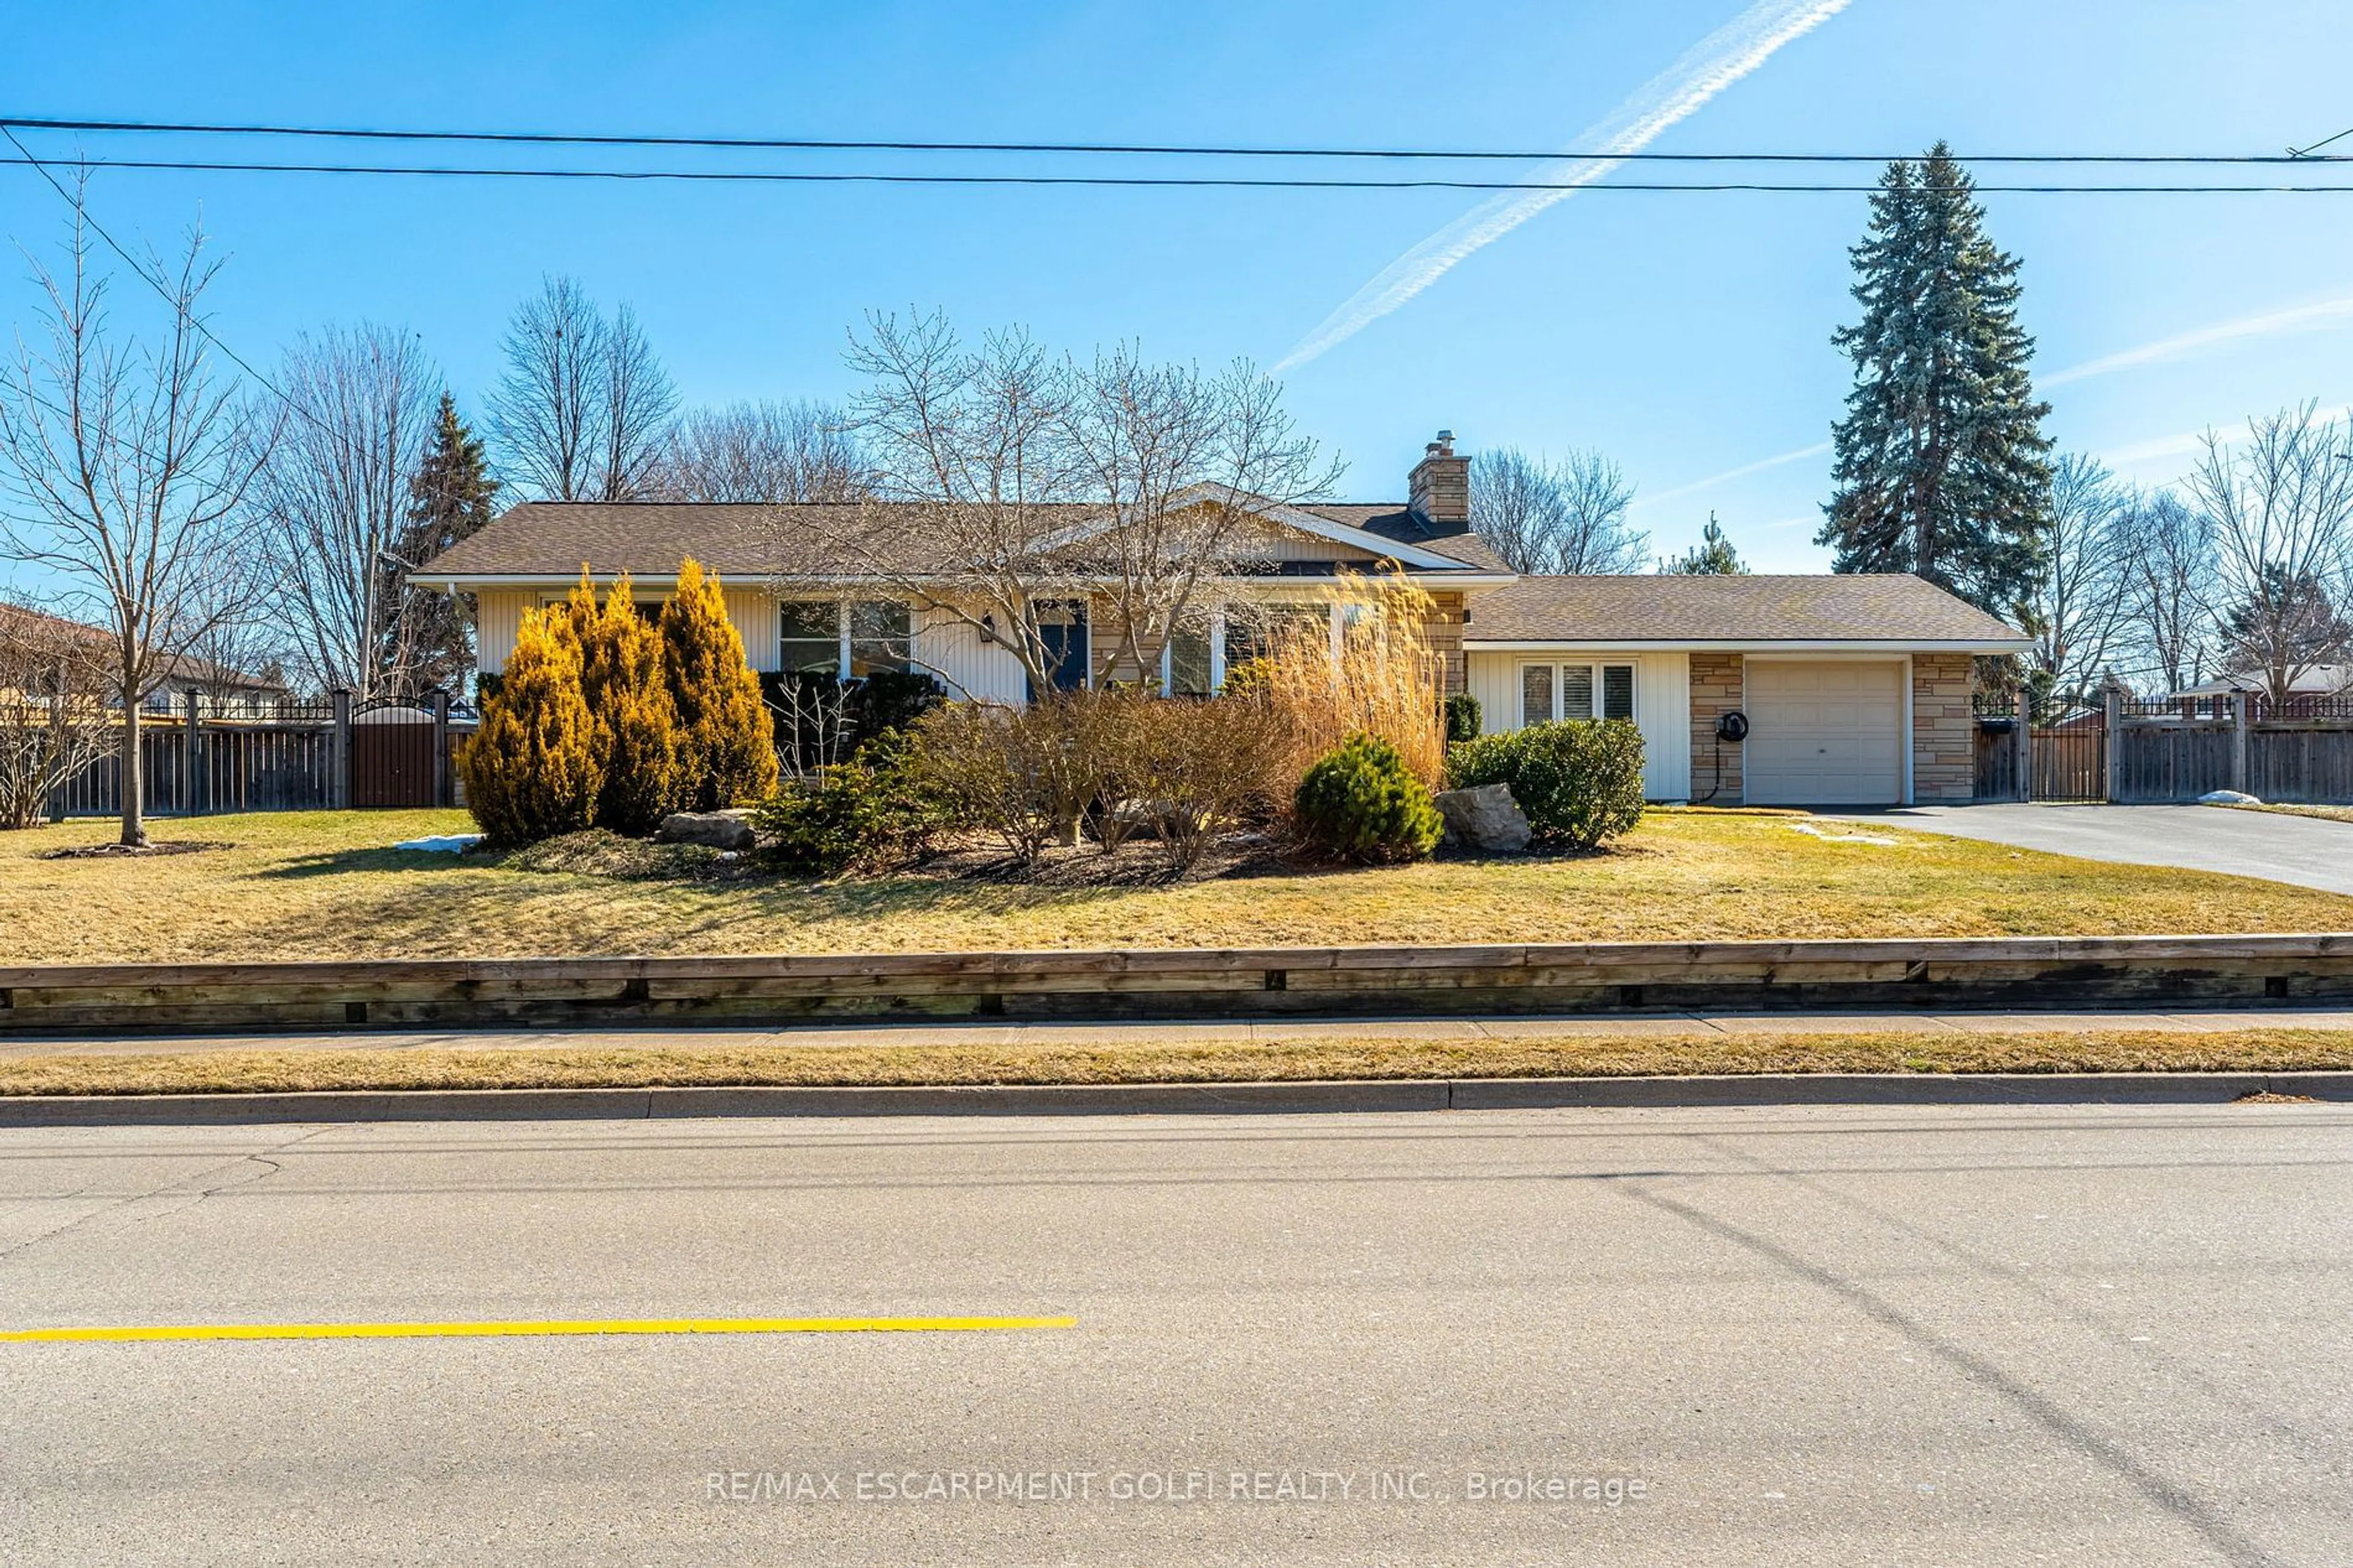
point(1379, 677)
point(1360, 802)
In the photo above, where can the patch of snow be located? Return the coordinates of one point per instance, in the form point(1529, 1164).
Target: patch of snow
point(1829, 838)
point(2228, 797)
point(443, 843)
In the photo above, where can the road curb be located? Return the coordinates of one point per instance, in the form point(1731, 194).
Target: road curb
point(1168, 1098)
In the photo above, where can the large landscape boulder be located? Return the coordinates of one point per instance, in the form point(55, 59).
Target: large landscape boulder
point(720, 830)
point(1485, 819)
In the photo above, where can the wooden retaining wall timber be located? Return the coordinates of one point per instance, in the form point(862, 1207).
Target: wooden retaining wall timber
point(1330, 981)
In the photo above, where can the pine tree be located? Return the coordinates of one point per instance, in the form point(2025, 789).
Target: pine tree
point(1713, 556)
point(450, 496)
point(529, 769)
point(1941, 459)
point(726, 742)
point(632, 724)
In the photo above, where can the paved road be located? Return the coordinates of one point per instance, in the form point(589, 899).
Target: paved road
point(2310, 852)
point(1826, 1337)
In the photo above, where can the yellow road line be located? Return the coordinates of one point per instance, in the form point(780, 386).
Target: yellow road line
point(493, 1330)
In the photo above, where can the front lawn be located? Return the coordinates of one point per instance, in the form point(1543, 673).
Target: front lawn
point(325, 884)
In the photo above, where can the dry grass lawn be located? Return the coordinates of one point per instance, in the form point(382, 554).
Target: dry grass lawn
point(2327, 812)
point(284, 1070)
point(326, 884)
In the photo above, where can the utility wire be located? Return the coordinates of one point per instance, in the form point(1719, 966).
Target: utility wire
point(2304, 155)
point(829, 144)
point(161, 287)
point(782, 177)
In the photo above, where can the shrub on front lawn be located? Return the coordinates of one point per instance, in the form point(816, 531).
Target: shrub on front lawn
point(870, 813)
point(727, 748)
point(633, 728)
point(1579, 780)
point(1360, 802)
point(820, 720)
point(529, 770)
point(1462, 719)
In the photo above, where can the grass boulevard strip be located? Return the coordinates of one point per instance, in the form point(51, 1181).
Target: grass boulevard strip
point(1280, 1060)
point(529, 1329)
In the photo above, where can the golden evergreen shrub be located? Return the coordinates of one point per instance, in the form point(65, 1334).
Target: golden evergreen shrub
point(632, 723)
point(529, 770)
point(726, 742)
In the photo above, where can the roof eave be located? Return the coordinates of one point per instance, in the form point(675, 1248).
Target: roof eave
point(1889, 646)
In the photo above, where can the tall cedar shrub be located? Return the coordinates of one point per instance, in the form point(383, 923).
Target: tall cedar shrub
point(1579, 781)
point(1942, 465)
point(529, 770)
point(727, 749)
point(1462, 718)
point(633, 730)
point(1360, 802)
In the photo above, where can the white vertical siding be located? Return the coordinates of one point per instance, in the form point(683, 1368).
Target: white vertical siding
point(752, 612)
point(497, 621)
point(1661, 706)
point(966, 664)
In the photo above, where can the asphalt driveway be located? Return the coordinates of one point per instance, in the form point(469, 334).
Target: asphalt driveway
point(2308, 851)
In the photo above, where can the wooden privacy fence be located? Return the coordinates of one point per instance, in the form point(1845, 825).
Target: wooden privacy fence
point(2138, 754)
point(1336, 981)
point(206, 758)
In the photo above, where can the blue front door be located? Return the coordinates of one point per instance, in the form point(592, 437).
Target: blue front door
point(1063, 633)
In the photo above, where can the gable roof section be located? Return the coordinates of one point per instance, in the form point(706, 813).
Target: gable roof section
point(1896, 610)
point(553, 539)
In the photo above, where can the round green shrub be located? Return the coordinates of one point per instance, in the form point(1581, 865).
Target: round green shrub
point(1579, 781)
point(867, 815)
point(1360, 802)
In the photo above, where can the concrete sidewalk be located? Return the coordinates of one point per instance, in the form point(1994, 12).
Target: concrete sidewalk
point(1232, 1032)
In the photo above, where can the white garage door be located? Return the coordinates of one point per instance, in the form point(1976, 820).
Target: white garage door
point(1824, 732)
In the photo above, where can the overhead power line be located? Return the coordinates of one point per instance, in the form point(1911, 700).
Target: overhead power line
point(837, 144)
point(822, 177)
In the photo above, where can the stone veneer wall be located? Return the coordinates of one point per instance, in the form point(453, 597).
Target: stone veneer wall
point(1943, 728)
point(1717, 685)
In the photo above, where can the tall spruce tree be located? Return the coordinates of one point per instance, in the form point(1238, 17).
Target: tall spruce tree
point(1941, 459)
point(451, 497)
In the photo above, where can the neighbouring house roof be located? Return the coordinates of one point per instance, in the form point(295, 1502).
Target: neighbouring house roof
point(2320, 680)
point(555, 539)
point(184, 671)
point(1897, 611)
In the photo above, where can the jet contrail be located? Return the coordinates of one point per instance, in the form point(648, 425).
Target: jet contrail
point(1715, 63)
point(2319, 314)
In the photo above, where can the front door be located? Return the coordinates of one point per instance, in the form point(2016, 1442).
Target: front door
point(1063, 633)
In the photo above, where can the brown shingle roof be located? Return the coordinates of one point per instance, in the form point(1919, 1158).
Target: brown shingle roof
point(21, 621)
point(1895, 609)
point(650, 538)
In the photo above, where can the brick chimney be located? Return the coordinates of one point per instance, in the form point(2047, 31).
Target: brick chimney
point(1440, 488)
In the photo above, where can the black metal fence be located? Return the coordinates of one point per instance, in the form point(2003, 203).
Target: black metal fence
point(204, 758)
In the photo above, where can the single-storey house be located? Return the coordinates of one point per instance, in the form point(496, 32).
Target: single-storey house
point(224, 691)
point(1790, 689)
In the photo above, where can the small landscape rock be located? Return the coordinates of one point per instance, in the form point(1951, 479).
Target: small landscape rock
point(719, 829)
point(1486, 819)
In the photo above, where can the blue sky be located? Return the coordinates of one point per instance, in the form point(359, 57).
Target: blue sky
point(1686, 335)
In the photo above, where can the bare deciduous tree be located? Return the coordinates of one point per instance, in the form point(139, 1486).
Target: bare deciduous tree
point(130, 471)
point(2166, 554)
point(768, 451)
point(2077, 611)
point(1548, 518)
point(332, 501)
point(2281, 506)
point(1035, 479)
point(582, 407)
point(55, 719)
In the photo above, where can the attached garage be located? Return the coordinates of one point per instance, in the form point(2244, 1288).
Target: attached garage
point(1825, 732)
